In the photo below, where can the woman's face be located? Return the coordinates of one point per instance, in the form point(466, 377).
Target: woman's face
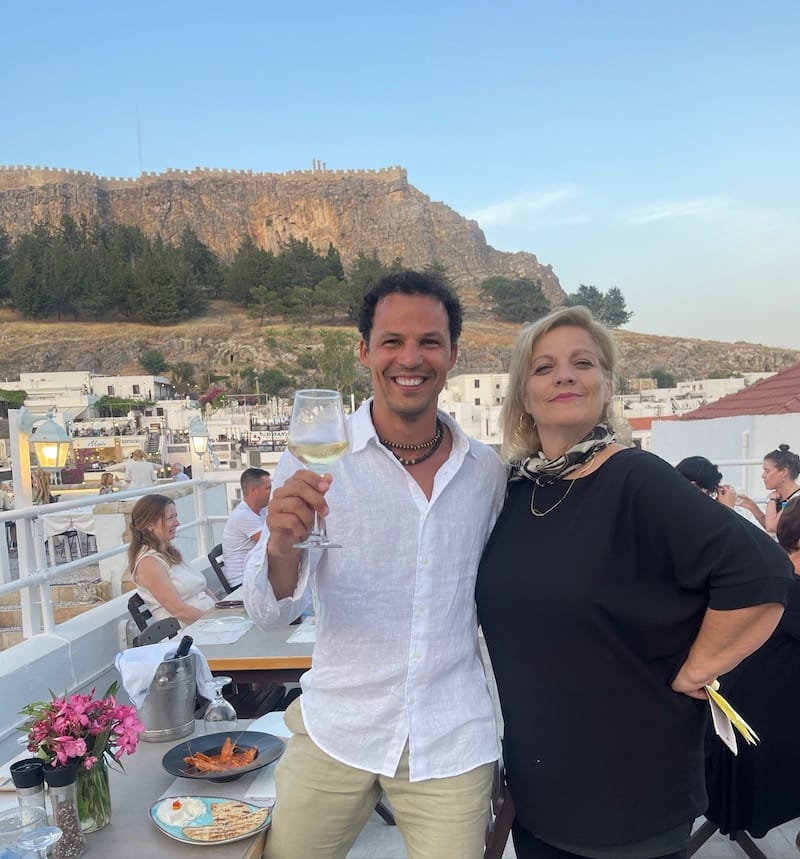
point(567, 389)
point(773, 476)
point(164, 531)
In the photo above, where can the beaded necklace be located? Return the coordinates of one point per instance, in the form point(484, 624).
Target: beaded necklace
point(432, 445)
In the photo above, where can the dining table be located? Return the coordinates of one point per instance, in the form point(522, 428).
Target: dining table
point(278, 655)
point(132, 833)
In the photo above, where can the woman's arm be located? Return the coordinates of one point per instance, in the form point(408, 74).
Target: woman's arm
point(152, 574)
point(773, 514)
point(724, 640)
point(749, 504)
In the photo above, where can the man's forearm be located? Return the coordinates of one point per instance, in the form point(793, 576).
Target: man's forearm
point(724, 640)
point(283, 571)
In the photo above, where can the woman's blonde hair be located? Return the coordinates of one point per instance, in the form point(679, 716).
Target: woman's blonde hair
point(147, 511)
point(520, 436)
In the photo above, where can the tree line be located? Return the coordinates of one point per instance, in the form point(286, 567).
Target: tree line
point(523, 300)
point(89, 271)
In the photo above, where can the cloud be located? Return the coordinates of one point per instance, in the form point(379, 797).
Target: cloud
point(526, 207)
point(700, 208)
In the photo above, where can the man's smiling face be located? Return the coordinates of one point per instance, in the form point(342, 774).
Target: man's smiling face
point(408, 355)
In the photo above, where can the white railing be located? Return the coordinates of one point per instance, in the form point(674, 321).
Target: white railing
point(36, 572)
point(79, 653)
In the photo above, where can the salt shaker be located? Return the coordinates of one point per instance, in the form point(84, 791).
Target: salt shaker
point(28, 778)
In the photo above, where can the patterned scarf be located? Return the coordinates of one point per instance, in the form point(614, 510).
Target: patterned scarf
point(545, 472)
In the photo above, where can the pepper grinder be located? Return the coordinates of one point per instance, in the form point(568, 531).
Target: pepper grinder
point(28, 778)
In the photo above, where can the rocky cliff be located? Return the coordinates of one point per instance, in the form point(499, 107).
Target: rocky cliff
point(353, 210)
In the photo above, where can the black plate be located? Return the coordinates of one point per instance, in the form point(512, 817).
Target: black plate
point(269, 747)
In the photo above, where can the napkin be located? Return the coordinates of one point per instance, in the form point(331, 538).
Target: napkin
point(138, 665)
point(214, 631)
point(306, 633)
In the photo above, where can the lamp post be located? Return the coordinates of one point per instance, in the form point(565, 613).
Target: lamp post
point(52, 445)
point(198, 442)
point(198, 446)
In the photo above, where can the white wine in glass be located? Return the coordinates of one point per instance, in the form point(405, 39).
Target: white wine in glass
point(318, 438)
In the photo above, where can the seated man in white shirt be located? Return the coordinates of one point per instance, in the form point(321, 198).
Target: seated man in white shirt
point(396, 700)
point(246, 522)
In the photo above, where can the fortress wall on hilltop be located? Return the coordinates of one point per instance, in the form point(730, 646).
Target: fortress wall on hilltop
point(16, 176)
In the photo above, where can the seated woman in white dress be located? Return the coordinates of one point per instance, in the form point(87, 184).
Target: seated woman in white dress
point(169, 587)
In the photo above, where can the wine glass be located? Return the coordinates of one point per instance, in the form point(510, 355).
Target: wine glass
point(220, 715)
point(40, 839)
point(318, 438)
point(16, 823)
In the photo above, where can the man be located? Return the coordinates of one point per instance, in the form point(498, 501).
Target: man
point(178, 473)
point(396, 700)
point(139, 473)
point(246, 522)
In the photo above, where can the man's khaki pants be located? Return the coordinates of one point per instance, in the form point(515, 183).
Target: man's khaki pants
point(322, 805)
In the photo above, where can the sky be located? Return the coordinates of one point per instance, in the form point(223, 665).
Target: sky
point(645, 145)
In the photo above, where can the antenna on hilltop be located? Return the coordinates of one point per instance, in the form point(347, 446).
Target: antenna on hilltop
point(139, 138)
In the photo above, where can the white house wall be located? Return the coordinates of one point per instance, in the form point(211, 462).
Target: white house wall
point(726, 439)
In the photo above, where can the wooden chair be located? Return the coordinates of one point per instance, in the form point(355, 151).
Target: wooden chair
point(503, 814)
point(217, 563)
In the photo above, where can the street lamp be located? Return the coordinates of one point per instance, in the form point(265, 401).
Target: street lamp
point(52, 445)
point(198, 433)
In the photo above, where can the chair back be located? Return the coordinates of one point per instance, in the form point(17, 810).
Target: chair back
point(168, 627)
point(217, 564)
point(138, 611)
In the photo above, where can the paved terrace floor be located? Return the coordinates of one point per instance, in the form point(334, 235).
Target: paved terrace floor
point(379, 841)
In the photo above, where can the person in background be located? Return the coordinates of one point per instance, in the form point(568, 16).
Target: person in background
point(756, 790)
point(246, 523)
point(780, 471)
point(178, 473)
point(40, 483)
point(703, 474)
point(610, 593)
point(7, 503)
point(139, 473)
point(168, 586)
point(397, 698)
point(106, 483)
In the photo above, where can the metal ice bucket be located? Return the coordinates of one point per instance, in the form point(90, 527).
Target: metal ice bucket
point(168, 709)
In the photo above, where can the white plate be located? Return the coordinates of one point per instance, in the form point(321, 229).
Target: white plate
point(223, 624)
point(176, 832)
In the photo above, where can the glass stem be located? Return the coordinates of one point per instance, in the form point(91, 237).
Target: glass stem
point(319, 526)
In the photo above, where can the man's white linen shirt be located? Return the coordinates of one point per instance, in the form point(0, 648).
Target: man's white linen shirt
point(396, 657)
point(237, 542)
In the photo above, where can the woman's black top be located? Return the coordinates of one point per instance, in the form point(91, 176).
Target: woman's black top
point(588, 613)
point(757, 789)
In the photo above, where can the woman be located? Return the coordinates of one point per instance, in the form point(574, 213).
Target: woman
point(610, 593)
point(169, 587)
point(780, 471)
point(757, 790)
point(703, 474)
point(106, 483)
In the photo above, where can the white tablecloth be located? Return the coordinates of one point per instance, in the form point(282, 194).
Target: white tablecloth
point(80, 519)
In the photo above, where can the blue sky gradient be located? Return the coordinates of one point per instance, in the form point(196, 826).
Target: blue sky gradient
point(649, 146)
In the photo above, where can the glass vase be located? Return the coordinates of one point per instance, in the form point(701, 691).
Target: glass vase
point(94, 797)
